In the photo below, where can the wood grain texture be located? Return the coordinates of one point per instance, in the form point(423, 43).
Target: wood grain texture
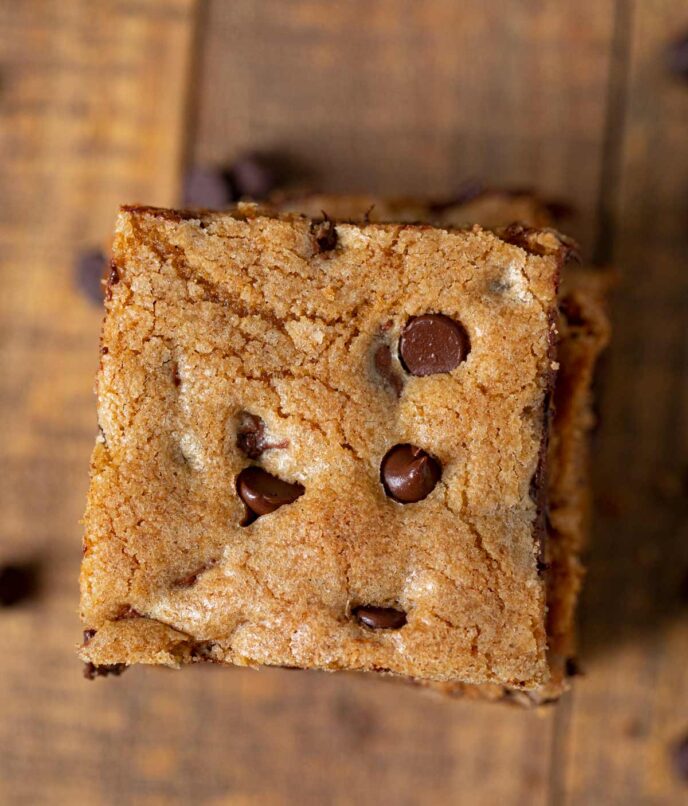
point(385, 96)
point(398, 96)
point(92, 103)
point(634, 702)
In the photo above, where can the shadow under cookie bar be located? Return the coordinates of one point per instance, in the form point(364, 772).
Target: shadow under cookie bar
point(384, 528)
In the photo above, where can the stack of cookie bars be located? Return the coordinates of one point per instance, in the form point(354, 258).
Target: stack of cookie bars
point(352, 441)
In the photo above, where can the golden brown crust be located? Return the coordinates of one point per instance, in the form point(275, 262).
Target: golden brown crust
point(194, 301)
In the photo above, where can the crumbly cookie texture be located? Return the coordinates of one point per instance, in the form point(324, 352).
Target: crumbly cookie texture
point(388, 520)
point(584, 332)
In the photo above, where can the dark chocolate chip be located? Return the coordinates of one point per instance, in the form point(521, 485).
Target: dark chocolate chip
point(253, 176)
point(17, 583)
point(91, 270)
point(251, 438)
point(679, 754)
point(677, 57)
point(324, 234)
point(113, 279)
point(250, 435)
point(433, 343)
point(409, 474)
point(572, 668)
point(88, 634)
point(263, 493)
point(380, 618)
point(176, 377)
point(207, 187)
point(385, 368)
point(91, 671)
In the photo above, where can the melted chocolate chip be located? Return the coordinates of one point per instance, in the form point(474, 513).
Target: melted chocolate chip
point(380, 618)
point(17, 583)
point(324, 234)
point(385, 368)
point(251, 439)
point(90, 271)
point(432, 343)
point(91, 671)
point(409, 474)
point(263, 493)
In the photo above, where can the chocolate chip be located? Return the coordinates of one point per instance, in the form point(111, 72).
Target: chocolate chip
point(409, 474)
point(680, 758)
point(380, 618)
point(251, 439)
point(324, 234)
point(677, 57)
point(432, 343)
point(17, 583)
point(91, 671)
point(207, 187)
point(263, 493)
point(250, 435)
point(253, 176)
point(88, 634)
point(572, 668)
point(91, 270)
point(113, 279)
point(385, 368)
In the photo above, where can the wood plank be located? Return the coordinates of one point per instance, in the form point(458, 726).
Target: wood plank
point(634, 701)
point(397, 96)
point(92, 103)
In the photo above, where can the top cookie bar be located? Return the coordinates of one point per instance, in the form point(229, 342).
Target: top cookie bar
point(320, 445)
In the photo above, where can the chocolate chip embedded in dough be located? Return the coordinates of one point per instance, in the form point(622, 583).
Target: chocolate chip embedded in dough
point(433, 343)
point(409, 473)
point(380, 618)
point(263, 493)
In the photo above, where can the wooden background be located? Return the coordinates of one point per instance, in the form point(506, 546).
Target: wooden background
point(105, 102)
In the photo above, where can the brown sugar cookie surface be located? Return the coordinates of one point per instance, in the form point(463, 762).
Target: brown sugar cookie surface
point(244, 340)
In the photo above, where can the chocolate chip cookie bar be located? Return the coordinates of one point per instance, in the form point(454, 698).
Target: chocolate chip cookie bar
point(322, 446)
point(583, 334)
